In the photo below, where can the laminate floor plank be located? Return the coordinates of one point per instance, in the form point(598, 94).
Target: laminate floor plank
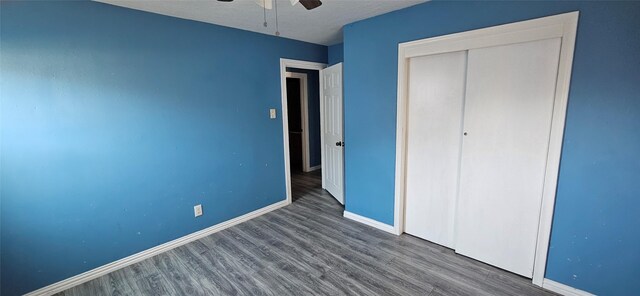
point(308, 248)
point(352, 278)
point(233, 272)
point(183, 281)
point(148, 279)
point(211, 279)
point(280, 242)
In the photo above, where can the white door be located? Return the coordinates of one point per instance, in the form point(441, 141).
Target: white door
point(434, 135)
point(333, 142)
point(507, 121)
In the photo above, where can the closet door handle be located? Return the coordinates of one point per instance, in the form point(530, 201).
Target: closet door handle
point(465, 133)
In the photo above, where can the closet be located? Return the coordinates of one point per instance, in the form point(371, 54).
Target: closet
point(476, 147)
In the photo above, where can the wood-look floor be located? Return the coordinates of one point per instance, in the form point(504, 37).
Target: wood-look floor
point(308, 248)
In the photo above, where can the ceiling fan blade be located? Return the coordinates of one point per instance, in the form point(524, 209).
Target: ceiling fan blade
point(310, 4)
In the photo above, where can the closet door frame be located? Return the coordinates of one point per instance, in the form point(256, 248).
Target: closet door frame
point(562, 26)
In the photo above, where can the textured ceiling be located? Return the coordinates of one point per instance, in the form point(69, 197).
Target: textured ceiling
point(322, 25)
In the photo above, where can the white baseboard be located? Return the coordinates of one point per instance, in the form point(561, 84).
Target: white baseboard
point(311, 169)
point(369, 221)
point(563, 289)
point(124, 262)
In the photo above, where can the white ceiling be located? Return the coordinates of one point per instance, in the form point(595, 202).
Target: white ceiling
point(322, 25)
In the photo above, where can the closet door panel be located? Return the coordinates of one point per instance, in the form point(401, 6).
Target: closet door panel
point(509, 104)
point(436, 94)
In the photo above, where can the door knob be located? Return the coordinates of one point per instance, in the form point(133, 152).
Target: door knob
point(339, 143)
point(465, 133)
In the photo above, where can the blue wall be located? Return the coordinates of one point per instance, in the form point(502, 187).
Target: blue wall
point(116, 122)
point(335, 54)
point(596, 231)
point(313, 106)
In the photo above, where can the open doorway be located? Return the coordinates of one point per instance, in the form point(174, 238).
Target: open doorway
point(303, 108)
point(312, 131)
point(303, 105)
point(301, 125)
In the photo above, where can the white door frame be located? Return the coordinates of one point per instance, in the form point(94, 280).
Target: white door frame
point(304, 117)
point(558, 26)
point(284, 64)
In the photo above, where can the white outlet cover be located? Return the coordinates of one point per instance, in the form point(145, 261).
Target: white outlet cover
point(272, 113)
point(197, 210)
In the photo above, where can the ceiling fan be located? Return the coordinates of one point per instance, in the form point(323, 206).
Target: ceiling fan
point(267, 4)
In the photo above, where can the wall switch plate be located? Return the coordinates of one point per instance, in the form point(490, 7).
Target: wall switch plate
point(197, 210)
point(272, 113)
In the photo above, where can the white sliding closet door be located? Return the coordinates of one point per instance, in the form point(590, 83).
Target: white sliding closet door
point(436, 96)
point(508, 110)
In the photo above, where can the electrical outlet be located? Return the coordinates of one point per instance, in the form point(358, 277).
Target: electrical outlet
point(197, 210)
point(272, 113)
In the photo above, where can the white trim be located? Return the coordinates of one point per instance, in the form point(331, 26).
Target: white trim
point(124, 262)
point(322, 158)
point(499, 35)
point(306, 153)
point(368, 221)
point(401, 120)
point(315, 168)
point(562, 25)
point(284, 64)
point(563, 289)
point(304, 117)
point(570, 28)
